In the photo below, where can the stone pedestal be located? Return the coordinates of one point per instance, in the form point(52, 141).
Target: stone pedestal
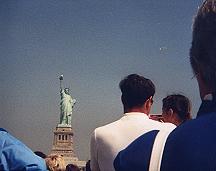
point(63, 145)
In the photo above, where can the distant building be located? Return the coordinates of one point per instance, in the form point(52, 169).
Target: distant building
point(63, 145)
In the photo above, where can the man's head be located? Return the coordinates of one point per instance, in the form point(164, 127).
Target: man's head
point(176, 109)
point(203, 48)
point(137, 93)
point(72, 167)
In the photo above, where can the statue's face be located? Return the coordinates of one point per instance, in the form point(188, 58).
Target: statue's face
point(66, 90)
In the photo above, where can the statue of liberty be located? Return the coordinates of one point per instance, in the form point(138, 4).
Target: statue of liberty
point(66, 105)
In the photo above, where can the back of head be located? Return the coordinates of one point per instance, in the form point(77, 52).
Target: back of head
point(180, 105)
point(136, 90)
point(203, 48)
point(72, 167)
point(55, 162)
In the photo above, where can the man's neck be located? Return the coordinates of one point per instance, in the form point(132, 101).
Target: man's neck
point(140, 110)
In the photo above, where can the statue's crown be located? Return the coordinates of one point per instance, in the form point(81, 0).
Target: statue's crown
point(66, 89)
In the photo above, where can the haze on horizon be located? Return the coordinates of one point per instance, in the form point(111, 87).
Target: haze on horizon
point(94, 43)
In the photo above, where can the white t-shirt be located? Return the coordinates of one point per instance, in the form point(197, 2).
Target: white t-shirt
point(108, 140)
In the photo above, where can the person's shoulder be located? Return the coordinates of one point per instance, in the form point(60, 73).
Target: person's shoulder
point(6, 137)
point(169, 126)
point(182, 129)
point(189, 140)
point(3, 133)
point(112, 129)
point(162, 126)
point(108, 127)
point(208, 120)
point(195, 128)
point(17, 155)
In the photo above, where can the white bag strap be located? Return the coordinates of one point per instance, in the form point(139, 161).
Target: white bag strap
point(157, 150)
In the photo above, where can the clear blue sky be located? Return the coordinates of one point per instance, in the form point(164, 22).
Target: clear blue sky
point(94, 43)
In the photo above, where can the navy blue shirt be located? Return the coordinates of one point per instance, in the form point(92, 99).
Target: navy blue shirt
point(132, 158)
point(190, 147)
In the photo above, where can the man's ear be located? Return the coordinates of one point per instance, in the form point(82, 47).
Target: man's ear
point(170, 112)
point(151, 99)
point(148, 104)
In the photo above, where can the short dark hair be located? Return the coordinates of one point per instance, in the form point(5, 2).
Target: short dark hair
point(136, 90)
point(203, 47)
point(72, 167)
point(180, 104)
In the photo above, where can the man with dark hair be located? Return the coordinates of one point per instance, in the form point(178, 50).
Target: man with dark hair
point(135, 91)
point(108, 140)
point(191, 146)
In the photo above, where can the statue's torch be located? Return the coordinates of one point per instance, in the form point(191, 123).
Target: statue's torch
point(61, 79)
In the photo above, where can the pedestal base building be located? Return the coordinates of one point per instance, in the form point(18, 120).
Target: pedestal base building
point(63, 145)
